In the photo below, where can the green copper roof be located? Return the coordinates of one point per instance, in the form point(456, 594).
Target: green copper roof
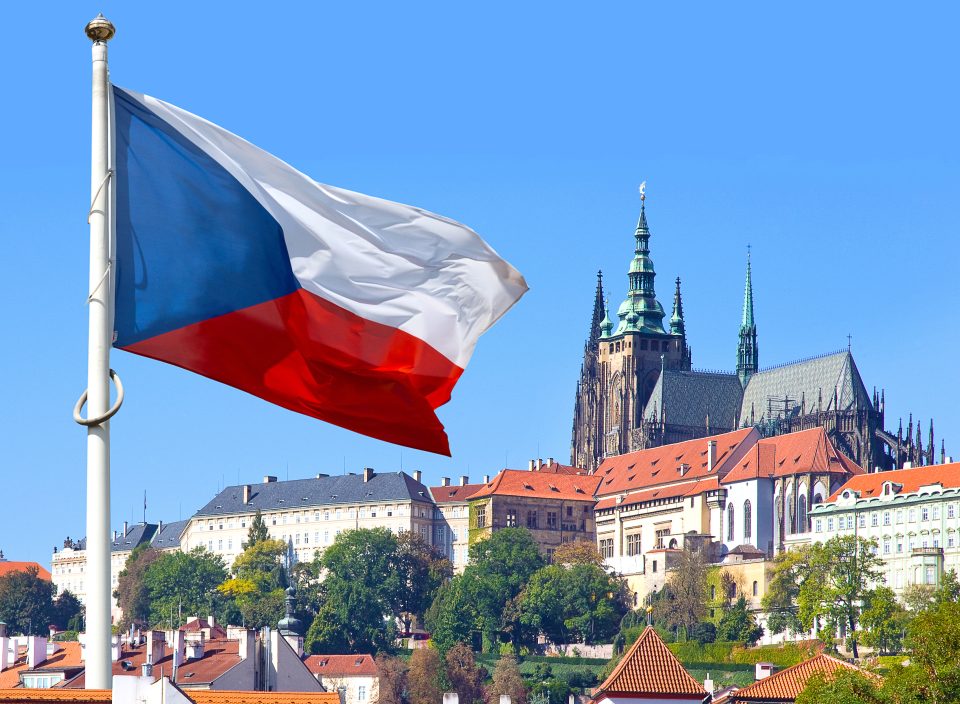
point(676, 320)
point(640, 311)
point(747, 321)
point(606, 325)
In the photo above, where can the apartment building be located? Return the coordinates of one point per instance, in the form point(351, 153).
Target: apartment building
point(308, 514)
point(913, 514)
point(451, 532)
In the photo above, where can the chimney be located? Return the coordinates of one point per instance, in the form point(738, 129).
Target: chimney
point(549, 461)
point(179, 648)
point(36, 651)
point(533, 464)
point(115, 649)
point(763, 670)
point(125, 529)
point(247, 640)
point(146, 669)
point(444, 481)
point(269, 479)
point(417, 475)
point(908, 465)
point(486, 478)
point(711, 455)
point(367, 474)
point(5, 659)
point(212, 620)
point(194, 646)
point(322, 476)
point(156, 647)
point(451, 698)
point(246, 493)
point(948, 460)
point(539, 463)
point(708, 684)
point(464, 480)
point(504, 699)
point(114, 536)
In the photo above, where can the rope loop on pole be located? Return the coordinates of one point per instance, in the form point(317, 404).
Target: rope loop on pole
point(93, 201)
point(106, 416)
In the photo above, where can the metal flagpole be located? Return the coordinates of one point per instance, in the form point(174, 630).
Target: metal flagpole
point(100, 302)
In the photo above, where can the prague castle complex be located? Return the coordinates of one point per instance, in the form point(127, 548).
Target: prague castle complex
point(638, 389)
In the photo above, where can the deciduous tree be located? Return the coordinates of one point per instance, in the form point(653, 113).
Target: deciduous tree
point(738, 625)
point(68, 612)
point(465, 677)
point(684, 605)
point(131, 592)
point(425, 677)
point(451, 619)
point(791, 569)
point(392, 680)
point(180, 584)
point(842, 687)
point(26, 602)
point(257, 531)
point(884, 621)
point(507, 680)
point(578, 552)
point(423, 570)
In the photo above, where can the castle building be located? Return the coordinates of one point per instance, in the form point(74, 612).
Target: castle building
point(637, 388)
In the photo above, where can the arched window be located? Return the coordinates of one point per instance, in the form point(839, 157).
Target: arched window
point(802, 514)
point(673, 544)
point(747, 528)
point(730, 522)
point(756, 589)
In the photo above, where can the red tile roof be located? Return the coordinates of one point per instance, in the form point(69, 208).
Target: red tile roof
point(219, 656)
point(671, 491)
point(650, 668)
point(557, 468)
point(515, 482)
point(213, 696)
point(644, 469)
point(23, 696)
point(870, 485)
point(67, 657)
point(341, 665)
point(199, 624)
point(455, 493)
point(794, 453)
point(786, 685)
point(11, 566)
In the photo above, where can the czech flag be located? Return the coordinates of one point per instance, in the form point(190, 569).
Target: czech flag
point(337, 305)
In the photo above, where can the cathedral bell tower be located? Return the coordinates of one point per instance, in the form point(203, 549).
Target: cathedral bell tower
point(747, 354)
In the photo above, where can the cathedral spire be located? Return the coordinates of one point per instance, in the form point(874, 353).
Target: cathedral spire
point(598, 314)
point(641, 312)
point(748, 359)
point(676, 320)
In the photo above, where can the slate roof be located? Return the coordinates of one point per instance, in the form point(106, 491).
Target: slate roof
point(650, 668)
point(870, 485)
point(136, 534)
point(655, 466)
point(516, 482)
point(168, 536)
point(802, 452)
point(689, 397)
point(806, 381)
point(786, 685)
point(325, 491)
point(341, 665)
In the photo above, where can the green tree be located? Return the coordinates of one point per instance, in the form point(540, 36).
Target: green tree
point(423, 570)
point(580, 603)
point(464, 676)
point(933, 675)
point(791, 570)
point(738, 625)
point(884, 621)
point(451, 619)
point(180, 584)
point(258, 583)
point(844, 686)
point(131, 592)
point(578, 552)
point(918, 597)
point(257, 531)
point(425, 677)
point(688, 590)
point(949, 589)
point(68, 612)
point(499, 568)
point(360, 596)
point(507, 680)
point(26, 602)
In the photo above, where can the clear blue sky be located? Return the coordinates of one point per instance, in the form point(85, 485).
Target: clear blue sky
point(824, 135)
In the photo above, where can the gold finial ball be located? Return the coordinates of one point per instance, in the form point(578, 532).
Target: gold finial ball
point(100, 29)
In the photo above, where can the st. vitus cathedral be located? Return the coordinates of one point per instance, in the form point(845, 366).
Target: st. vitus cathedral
point(637, 387)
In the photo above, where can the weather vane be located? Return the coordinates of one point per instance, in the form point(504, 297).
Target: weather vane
point(643, 191)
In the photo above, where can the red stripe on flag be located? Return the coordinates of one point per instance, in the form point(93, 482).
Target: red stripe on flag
point(314, 357)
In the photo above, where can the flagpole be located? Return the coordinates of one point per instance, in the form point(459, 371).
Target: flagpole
point(100, 304)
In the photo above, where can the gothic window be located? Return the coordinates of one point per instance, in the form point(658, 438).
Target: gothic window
point(802, 514)
point(747, 527)
point(730, 522)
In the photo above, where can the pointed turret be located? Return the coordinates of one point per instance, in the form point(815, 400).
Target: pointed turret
point(606, 325)
point(641, 312)
point(598, 314)
point(676, 320)
point(931, 446)
point(747, 353)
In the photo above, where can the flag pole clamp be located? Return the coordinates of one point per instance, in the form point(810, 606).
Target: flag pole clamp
point(98, 420)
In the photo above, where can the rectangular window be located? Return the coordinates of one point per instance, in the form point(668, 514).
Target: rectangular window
point(306, 538)
point(455, 534)
point(569, 511)
point(326, 537)
point(531, 519)
point(830, 522)
point(817, 527)
point(863, 520)
point(873, 519)
point(886, 518)
point(326, 515)
point(229, 543)
point(606, 547)
point(511, 518)
point(899, 516)
point(924, 514)
point(654, 565)
point(338, 514)
point(661, 538)
point(936, 542)
point(899, 543)
point(633, 544)
point(886, 547)
point(551, 519)
point(481, 516)
point(316, 515)
point(950, 540)
point(912, 515)
point(296, 539)
point(362, 693)
point(950, 510)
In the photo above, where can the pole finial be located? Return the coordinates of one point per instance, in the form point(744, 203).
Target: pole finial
point(100, 29)
point(643, 191)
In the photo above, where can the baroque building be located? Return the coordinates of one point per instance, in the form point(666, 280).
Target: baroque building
point(637, 388)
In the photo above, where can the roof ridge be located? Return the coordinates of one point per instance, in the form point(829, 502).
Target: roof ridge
point(802, 360)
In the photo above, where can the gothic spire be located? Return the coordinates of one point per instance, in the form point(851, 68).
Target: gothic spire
point(676, 320)
point(931, 447)
point(641, 312)
point(598, 314)
point(748, 359)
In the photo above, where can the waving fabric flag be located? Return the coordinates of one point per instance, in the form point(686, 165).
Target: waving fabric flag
point(341, 306)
